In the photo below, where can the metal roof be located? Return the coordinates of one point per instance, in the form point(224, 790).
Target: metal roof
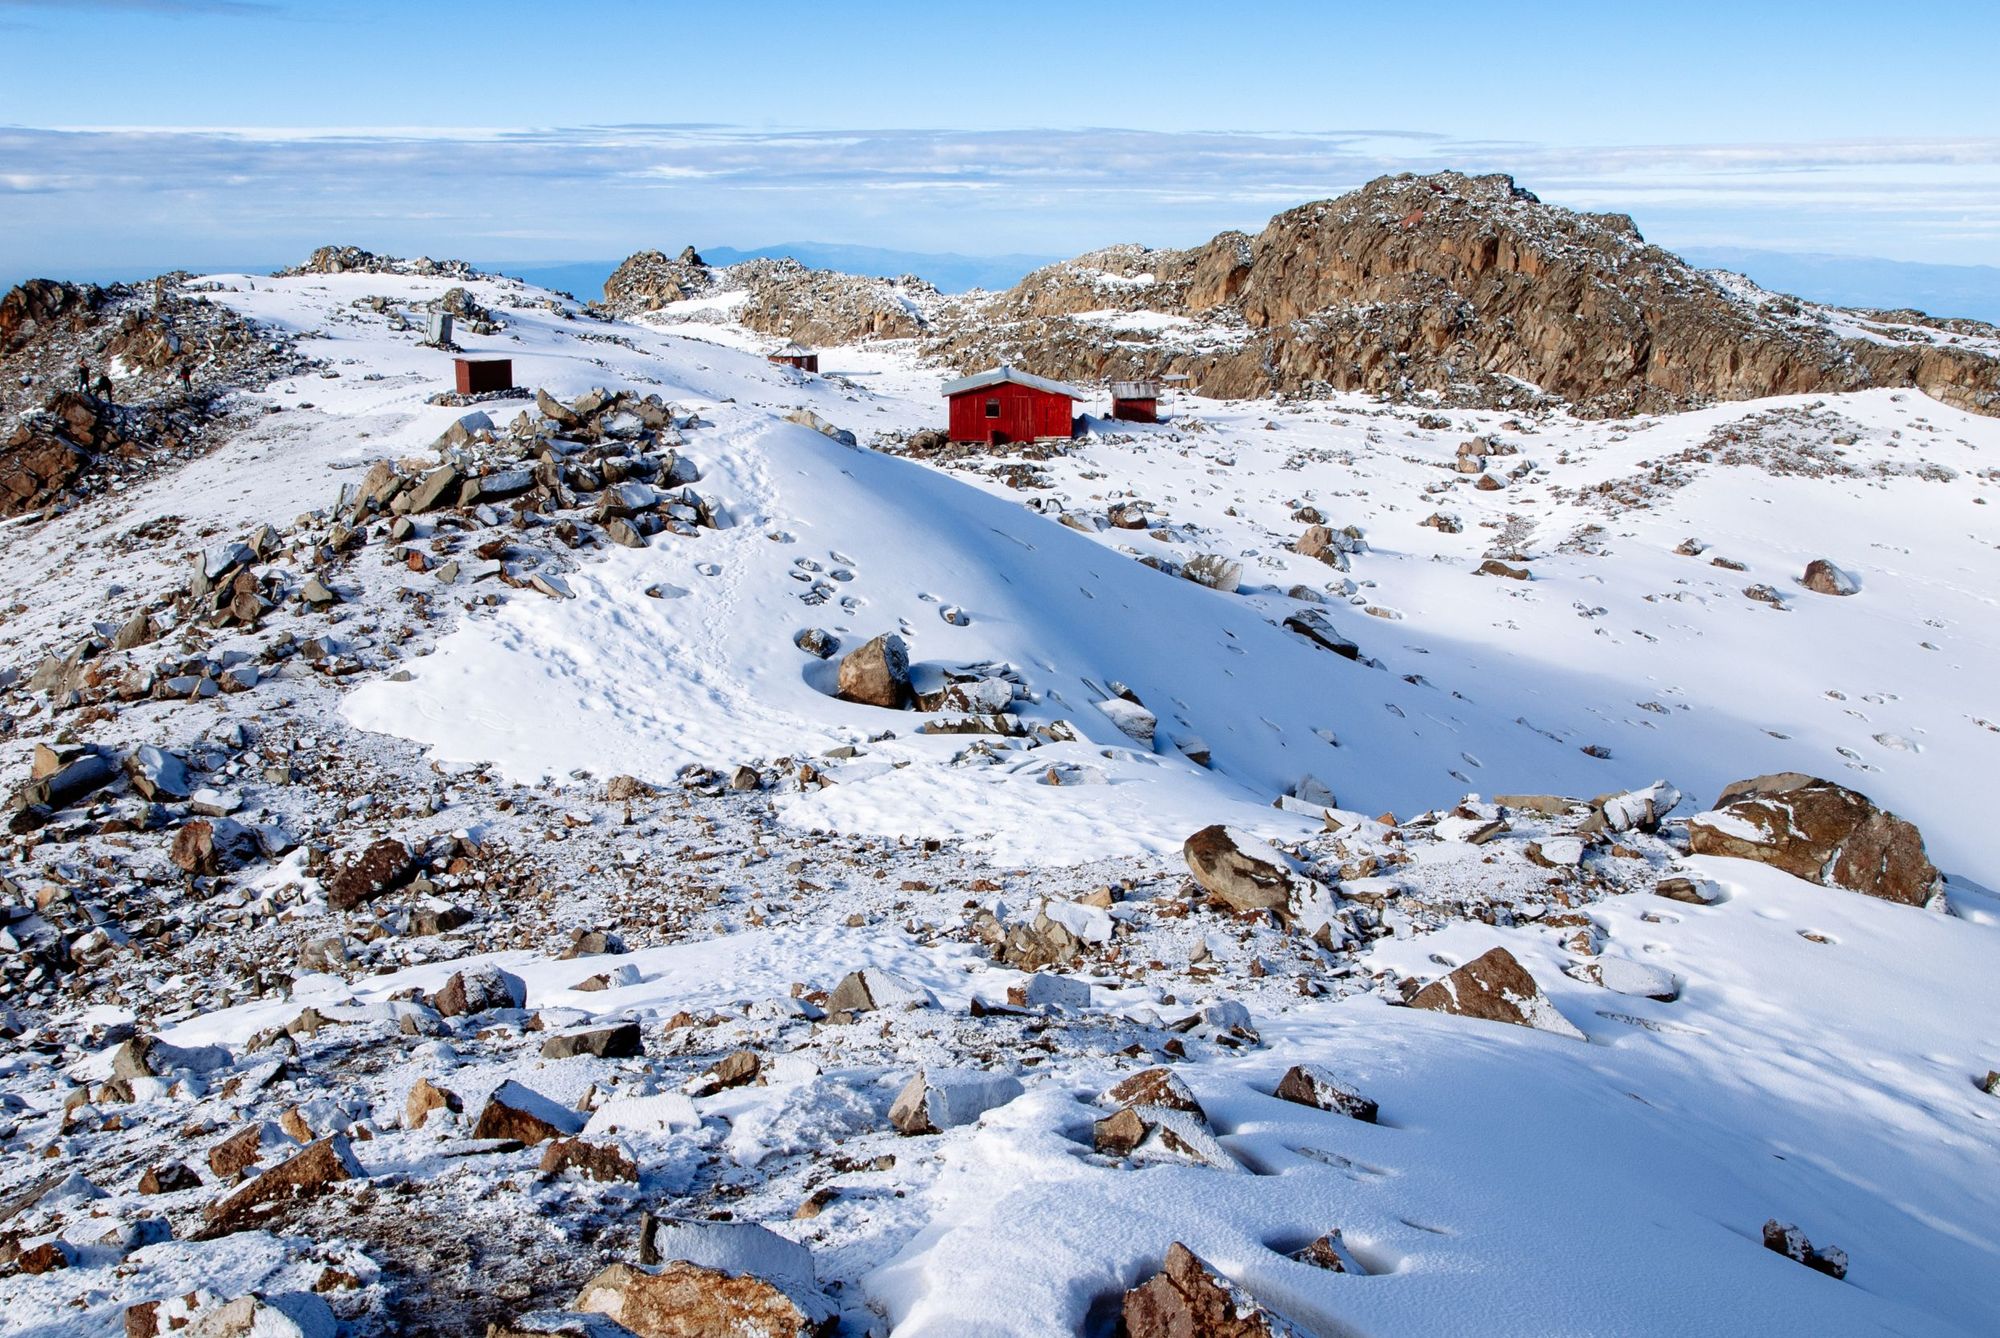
point(1006, 374)
point(794, 349)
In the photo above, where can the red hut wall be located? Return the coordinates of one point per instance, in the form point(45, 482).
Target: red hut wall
point(476, 376)
point(1007, 412)
point(1136, 411)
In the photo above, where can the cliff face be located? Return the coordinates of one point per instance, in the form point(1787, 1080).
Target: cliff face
point(1468, 289)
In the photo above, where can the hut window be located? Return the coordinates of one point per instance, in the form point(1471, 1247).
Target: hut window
point(993, 408)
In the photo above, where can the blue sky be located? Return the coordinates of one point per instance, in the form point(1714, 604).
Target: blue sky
point(155, 132)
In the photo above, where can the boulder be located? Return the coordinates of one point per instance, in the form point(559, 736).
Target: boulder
point(619, 1042)
point(939, 1099)
point(593, 1161)
point(1823, 578)
point(877, 674)
point(1188, 1299)
point(439, 488)
point(738, 1068)
point(1691, 891)
point(327, 1162)
point(1319, 543)
point(425, 1097)
point(1495, 567)
point(868, 989)
point(525, 1116)
point(1160, 1087)
point(1133, 720)
point(169, 1178)
point(158, 774)
point(1310, 1085)
point(1239, 870)
point(1821, 832)
point(1496, 987)
point(1214, 571)
point(1786, 1239)
point(1640, 810)
point(278, 1315)
point(1315, 627)
point(477, 989)
point(728, 1279)
point(384, 866)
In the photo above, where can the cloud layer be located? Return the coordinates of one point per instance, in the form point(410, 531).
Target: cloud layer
point(90, 197)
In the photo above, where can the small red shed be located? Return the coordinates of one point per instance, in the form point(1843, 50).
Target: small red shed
point(1136, 401)
point(1004, 406)
point(476, 376)
point(796, 355)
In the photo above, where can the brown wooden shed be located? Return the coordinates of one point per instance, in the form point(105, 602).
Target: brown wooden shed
point(477, 376)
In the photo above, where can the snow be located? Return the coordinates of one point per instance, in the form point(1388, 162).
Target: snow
point(1815, 1066)
point(1530, 1186)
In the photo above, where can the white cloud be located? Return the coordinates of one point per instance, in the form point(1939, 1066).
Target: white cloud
point(264, 192)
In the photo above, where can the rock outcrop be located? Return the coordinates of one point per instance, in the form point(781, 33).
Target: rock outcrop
point(1464, 287)
point(1821, 832)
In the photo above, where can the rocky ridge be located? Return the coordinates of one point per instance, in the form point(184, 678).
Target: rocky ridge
point(1457, 290)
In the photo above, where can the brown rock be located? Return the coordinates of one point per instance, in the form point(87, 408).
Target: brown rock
point(1821, 832)
point(1497, 988)
point(478, 989)
point(732, 1070)
point(682, 1299)
point(237, 1153)
point(1241, 881)
point(382, 867)
point(1310, 1085)
point(1324, 1253)
point(168, 1179)
point(194, 848)
point(593, 1161)
point(1823, 578)
point(877, 674)
point(620, 1042)
point(1189, 1299)
point(425, 1097)
point(1319, 544)
point(1155, 1087)
point(306, 1175)
point(525, 1116)
point(1786, 1239)
point(1116, 1135)
point(44, 1258)
point(1495, 567)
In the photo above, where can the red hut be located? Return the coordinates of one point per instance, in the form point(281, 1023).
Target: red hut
point(477, 376)
point(1003, 406)
point(795, 354)
point(1136, 401)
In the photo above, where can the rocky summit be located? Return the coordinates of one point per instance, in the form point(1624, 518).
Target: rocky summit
point(1474, 821)
point(1456, 289)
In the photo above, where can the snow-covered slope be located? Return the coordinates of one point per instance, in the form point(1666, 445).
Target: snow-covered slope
point(1819, 1063)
